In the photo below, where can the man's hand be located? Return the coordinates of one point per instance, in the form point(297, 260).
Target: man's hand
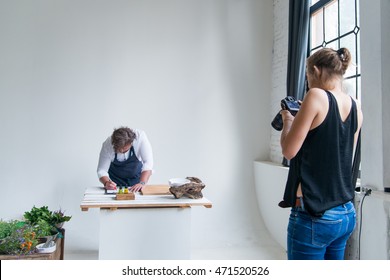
point(110, 185)
point(136, 188)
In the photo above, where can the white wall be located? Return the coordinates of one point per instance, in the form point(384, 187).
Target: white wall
point(194, 74)
point(279, 72)
point(375, 53)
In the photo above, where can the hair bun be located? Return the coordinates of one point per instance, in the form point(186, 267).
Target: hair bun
point(340, 52)
point(345, 57)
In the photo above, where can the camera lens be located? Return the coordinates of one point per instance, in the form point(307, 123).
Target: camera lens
point(277, 122)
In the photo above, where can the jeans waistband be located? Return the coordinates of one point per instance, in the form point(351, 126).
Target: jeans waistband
point(299, 201)
point(343, 208)
point(340, 209)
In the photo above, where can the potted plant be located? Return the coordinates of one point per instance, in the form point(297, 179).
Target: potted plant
point(58, 218)
point(54, 218)
point(17, 238)
point(47, 223)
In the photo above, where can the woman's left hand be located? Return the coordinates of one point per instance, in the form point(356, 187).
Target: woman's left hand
point(287, 117)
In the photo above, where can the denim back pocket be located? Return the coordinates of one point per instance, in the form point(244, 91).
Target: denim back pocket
point(327, 228)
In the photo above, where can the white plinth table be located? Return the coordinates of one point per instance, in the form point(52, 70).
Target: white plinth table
point(148, 227)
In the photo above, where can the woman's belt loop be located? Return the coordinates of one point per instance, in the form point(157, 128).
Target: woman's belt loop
point(299, 202)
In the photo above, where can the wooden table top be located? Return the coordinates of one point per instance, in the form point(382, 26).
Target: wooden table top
point(95, 197)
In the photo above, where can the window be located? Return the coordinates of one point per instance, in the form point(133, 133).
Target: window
point(335, 24)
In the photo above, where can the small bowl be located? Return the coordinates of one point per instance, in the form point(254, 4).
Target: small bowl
point(50, 249)
point(177, 182)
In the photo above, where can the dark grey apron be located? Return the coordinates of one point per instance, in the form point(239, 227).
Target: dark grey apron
point(126, 173)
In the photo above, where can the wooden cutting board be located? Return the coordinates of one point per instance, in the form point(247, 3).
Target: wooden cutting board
point(155, 190)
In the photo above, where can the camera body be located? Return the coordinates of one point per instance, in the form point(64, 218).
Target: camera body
point(289, 103)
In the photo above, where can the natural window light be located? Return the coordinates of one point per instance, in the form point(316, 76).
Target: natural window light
point(335, 24)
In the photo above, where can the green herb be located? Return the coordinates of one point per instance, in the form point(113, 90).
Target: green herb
point(6, 228)
point(37, 214)
point(43, 228)
point(17, 238)
point(58, 217)
point(43, 213)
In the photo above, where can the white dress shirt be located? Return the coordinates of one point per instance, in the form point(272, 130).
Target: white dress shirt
point(142, 149)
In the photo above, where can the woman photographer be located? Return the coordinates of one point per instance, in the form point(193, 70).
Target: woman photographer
point(320, 143)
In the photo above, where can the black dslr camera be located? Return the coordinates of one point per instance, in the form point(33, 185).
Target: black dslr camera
point(289, 103)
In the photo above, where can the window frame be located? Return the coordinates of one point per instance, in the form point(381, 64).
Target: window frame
point(322, 4)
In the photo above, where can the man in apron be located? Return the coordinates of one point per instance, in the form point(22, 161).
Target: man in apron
point(125, 160)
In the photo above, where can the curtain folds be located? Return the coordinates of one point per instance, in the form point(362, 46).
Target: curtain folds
point(298, 49)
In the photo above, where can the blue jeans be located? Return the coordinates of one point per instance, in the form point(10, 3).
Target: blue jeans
point(320, 238)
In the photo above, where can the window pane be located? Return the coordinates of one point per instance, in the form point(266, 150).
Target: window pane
point(331, 21)
point(358, 54)
point(334, 45)
point(347, 20)
point(317, 29)
point(349, 42)
point(359, 90)
point(349, 86)
point(357, 13)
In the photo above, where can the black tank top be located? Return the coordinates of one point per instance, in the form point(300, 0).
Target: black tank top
point(323, 165)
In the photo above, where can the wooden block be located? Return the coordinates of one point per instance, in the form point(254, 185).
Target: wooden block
point(155, 190)
point(125, 196)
